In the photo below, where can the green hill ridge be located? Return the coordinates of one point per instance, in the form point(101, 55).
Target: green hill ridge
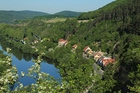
point(11, 16)
point(68, 13)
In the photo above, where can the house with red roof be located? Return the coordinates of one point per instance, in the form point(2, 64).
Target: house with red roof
point(104, 61)
point(107, 60)
point(74, 47)
point(87, 52)
point(62, 42)
point(86, 48)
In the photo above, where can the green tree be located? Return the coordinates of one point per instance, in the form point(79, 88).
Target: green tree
point(135, 80)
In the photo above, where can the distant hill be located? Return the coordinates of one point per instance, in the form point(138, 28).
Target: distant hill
point(11, 16)
point(68, 13)
point(62, 14)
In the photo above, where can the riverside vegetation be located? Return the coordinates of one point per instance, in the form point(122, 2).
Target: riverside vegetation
point(114, 28)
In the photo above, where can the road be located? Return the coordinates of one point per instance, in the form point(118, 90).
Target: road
point(97, 69)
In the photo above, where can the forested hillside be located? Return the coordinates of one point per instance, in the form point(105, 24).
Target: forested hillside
point(11, 16)
point(125, 11)
point(113, 29)
point(68, 13)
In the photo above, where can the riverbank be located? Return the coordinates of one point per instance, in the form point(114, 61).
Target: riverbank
point(72, 67)
point(25, 61)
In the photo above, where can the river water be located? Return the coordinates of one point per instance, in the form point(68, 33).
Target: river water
point(24, 62)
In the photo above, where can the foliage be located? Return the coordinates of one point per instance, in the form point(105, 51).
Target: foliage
point(77, 72)
point(12, 16)
point(113, 29)
point(68, 13)
point(135, 78)
point(3, 63)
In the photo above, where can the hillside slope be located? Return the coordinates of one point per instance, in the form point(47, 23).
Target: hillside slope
point(68, 13)
point(124, 11)
point(11, 16)
point(118, 21)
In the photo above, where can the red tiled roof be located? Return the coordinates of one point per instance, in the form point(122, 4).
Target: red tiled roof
point(74, 46)
point(85, 48)
point(107, 61)
point(62, 40)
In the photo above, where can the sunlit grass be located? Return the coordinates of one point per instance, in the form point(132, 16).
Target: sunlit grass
point(54, 20)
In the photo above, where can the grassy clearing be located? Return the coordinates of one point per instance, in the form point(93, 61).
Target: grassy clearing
point(54, 20)
point(83, 21)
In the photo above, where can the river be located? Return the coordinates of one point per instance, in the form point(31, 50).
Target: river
point(24, 61)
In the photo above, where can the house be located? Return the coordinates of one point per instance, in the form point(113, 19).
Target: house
point(62, 42)
point(97, 55)
point(99, 61)
point(25, 39)
point(36, 41)
point(74, 46)
point(107, 60)
point(23, 42)
point(87, 52)
point(104, 61)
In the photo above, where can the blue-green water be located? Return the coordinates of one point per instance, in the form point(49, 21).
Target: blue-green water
point(23, 64)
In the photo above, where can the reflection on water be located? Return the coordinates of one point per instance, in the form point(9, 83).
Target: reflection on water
point(24, 61)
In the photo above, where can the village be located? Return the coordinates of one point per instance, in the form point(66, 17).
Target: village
point(98, 56)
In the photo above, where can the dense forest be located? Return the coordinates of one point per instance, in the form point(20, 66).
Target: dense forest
point(68, 13)
point(11, 17)
point(113, 29)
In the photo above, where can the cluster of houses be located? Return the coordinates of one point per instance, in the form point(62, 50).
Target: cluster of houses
point(36, 41)
point(98, 56)
point(88, 53)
